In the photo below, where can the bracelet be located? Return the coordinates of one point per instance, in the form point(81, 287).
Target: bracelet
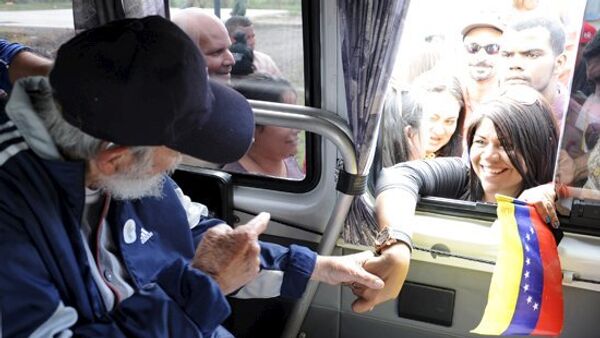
point(390, 236)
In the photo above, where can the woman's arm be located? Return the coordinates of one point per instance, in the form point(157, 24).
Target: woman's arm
point(398, 189)
point(442, 177)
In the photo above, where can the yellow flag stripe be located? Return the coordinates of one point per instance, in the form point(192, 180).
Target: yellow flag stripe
point(504, 288)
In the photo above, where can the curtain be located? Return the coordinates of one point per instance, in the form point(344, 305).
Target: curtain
point(370, 32)
point(91, 13)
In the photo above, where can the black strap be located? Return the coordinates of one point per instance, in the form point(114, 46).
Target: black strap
point(351, 184)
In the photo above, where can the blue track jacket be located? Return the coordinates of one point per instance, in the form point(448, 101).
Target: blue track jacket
point(46, 286)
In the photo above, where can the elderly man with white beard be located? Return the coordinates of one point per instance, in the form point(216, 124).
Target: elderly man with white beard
point(98, 241)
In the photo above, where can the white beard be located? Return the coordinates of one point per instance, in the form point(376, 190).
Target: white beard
point(124, 186)
point(135, 183)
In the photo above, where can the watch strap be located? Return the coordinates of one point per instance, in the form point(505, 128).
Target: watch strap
point(390, 236)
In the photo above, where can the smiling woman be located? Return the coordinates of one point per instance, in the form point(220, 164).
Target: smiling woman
point(274, 148)
point(506, 144)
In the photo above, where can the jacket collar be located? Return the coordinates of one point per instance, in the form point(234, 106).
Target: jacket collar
point(29, 97)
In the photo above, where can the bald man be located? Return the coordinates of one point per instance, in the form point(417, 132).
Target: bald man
point(210, 35)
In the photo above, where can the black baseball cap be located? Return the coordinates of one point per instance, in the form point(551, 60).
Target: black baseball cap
point(143, 82)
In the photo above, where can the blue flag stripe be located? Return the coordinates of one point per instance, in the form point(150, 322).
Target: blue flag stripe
point(529, 301)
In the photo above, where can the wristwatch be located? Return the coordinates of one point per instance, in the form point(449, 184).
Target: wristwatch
point(390, 236)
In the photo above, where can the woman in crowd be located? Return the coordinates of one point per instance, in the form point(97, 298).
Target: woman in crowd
point(402, 138)
point(274, 148)
point(443, 113)
point(512, 144)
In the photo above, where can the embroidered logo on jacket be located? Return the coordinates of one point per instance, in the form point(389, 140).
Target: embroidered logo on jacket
point(145, 235)
point(129, 233)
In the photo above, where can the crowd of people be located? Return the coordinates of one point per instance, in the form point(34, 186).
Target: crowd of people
point(532, 49)
point(514, 102)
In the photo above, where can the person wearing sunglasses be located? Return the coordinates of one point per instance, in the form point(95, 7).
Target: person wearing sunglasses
point(532, 52)
point(481, 52)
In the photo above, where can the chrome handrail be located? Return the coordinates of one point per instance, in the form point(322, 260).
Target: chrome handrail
point(336, 130)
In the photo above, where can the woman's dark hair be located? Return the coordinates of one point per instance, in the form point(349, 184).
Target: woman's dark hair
point(527, 131)
point(437, 81)
point(243, 56)
point(400, 109)
point(263, 87)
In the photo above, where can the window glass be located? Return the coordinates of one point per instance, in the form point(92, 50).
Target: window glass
point(453, 64)
point(37, 27)
point(578, 172)
point(256, 47)
point(259, 53)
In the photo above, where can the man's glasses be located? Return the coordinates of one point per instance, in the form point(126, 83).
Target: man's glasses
point(491, 49)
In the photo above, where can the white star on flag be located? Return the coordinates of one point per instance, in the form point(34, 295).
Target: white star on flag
point(536, 306)
point(528, 261)
point(528, 237)
point(529, 300)
point(526, 287)
point(526, 247)
point(531, 230)
point(527, 274)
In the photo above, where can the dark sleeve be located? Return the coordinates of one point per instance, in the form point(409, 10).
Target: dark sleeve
point(183, 302)
point(296, 262)
point(442, 177)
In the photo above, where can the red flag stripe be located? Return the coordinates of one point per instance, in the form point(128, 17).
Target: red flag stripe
point(551, 312)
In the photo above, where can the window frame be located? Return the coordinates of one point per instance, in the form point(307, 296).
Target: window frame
point(311, 43)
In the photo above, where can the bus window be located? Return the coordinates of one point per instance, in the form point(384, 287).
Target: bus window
point(491, 47)
point(274, 152)
point(264, 62)
point(38, 27)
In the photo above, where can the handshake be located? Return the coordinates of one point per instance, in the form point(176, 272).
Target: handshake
point(232, 258)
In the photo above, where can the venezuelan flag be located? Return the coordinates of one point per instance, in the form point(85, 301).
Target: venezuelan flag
point(525, 296)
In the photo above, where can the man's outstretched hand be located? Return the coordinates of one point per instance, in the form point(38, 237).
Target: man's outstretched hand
point(231, 256)
point(346, 270)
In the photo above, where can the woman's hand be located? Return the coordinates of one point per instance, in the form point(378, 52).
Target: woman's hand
point(392, 266)
point(543, 198)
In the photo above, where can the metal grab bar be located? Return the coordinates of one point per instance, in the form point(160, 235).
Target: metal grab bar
point(336, 130)
point(334, 119)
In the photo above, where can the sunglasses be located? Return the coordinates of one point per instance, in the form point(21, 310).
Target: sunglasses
point(491, 49)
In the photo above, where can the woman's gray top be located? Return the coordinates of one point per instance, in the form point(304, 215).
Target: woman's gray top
point(442, 177)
